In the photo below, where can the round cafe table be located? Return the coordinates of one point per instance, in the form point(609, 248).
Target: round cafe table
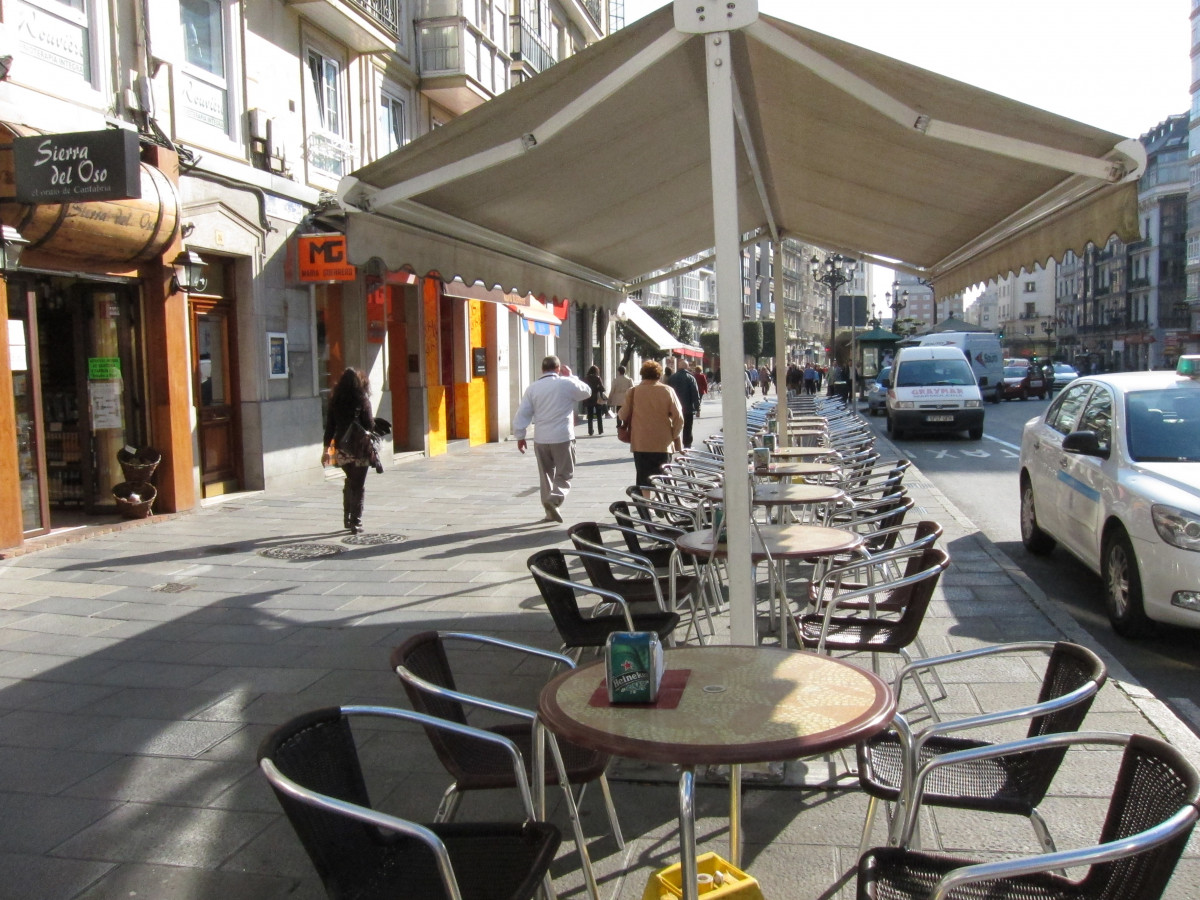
point(774, 494)
point(727, 705)
point(777, 543)
point(791, 454)
point(796, 470)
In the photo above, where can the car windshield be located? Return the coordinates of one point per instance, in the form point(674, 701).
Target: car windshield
point(1014, 372)
point(1163, 425)
point(1061, 369)
point(884, 374)
point(924, 372)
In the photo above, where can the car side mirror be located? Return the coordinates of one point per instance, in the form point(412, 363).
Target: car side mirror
point(1085, 443)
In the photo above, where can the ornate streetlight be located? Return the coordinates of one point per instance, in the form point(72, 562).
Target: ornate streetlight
point(896, 301)
point(835, 271)
point(1049, 328)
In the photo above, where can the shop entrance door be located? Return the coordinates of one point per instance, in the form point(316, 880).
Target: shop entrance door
point(215, 389)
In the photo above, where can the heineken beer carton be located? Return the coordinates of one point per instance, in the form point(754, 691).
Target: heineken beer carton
point(633, 666)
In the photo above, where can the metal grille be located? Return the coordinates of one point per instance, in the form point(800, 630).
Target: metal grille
point(367, 540)
point(171, 587)
point(297, 552)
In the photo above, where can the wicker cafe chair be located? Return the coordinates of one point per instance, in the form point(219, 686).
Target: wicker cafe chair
point(577, 631)
point(424, 669)
point(1150, 816)
point(675, 591)
point(1003, 784)
point(315, 772)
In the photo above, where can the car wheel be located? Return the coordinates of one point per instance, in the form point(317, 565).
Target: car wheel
point(975, 434)
point(996, 395)
point(1035, 540)
point(1123, 588)
point(1024, 393)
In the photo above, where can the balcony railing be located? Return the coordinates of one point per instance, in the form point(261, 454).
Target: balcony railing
point(529, 48)
point(385, 12)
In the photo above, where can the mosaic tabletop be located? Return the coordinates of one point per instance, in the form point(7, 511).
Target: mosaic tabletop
point(739, 705)
point(776, 494)
point(780, 541)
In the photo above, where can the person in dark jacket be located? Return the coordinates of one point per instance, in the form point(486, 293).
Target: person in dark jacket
point(685, 389)
point(596, 405)
point(350, 402)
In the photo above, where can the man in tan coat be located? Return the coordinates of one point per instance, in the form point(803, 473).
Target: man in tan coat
point(657, 422)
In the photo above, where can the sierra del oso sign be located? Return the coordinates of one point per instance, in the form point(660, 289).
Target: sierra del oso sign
point(77, 167)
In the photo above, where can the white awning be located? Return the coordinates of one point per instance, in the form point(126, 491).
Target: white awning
point(634, 315)
point(535, 312)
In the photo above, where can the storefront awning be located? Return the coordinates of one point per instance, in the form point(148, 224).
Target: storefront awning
point(632, 314)
point(533, 311)
point(691, 352)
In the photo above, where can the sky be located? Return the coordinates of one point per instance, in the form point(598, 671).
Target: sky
point(1120, 66)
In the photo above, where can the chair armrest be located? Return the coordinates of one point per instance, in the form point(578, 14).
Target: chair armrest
point(609, 596)
point(508, 645)
point(1177, 824)
point(991, 751)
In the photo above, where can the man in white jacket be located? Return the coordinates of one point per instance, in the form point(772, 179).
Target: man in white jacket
point(549, 405)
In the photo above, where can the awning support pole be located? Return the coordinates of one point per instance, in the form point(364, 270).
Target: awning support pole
point(722, 151)
point(781, 339)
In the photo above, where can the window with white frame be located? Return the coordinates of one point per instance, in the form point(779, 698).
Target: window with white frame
point(392, 125)
point(204, 94)
point(58, 32)
point(328, 149)
point(440, 48)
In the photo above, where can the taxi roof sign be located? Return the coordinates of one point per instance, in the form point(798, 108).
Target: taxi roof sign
point(1188, 366)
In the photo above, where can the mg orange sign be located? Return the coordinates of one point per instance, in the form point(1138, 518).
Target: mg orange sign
point(322, 257)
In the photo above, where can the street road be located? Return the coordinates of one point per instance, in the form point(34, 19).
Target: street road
point(980, 478)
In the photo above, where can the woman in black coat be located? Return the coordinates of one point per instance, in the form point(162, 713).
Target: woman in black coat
point(350, 402)
point(596, 404)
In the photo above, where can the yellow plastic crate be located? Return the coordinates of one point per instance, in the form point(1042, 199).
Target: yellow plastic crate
point(665, 883)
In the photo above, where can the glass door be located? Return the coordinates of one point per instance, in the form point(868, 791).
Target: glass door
point(215, 368)
point(31, 458)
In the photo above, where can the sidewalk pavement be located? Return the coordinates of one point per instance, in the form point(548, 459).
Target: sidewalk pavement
point(140, 668)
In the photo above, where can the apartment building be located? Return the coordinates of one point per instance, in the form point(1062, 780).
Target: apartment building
point(212, 133)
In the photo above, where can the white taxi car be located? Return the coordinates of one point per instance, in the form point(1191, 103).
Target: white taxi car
point(1112, 472)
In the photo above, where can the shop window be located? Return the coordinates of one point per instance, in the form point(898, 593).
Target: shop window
point(60, 33)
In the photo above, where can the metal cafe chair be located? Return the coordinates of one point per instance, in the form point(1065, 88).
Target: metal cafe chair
point(423, 665)
point(675, 591)
point(1151, 813)
point(1003, 784)
point(579, 631)
point(314, 769)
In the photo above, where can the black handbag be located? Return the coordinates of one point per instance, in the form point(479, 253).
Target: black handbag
point(354, 445)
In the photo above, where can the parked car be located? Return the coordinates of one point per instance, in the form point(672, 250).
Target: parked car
point(877, 389)
point(1024, 382)
point(1063, 375)
point(1111, 471)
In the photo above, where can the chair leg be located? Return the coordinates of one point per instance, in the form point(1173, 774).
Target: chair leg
point(614, 825)
point(937, 679)
point(585, 859)
point(449, 805)
point(1042, 832)
point(864, 841)
point(907, 657)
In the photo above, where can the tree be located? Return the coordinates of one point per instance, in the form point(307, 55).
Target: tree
point(710, 343)
point(768, 331)
point(752, 338)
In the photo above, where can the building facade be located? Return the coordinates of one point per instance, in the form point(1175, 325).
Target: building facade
point(237, 120)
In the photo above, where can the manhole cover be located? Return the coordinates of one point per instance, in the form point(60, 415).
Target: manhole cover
point(368, 540)
point(171, 587)
point(301, 551)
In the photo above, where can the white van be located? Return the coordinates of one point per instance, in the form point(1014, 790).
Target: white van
point(982, 350)
point(933, 389)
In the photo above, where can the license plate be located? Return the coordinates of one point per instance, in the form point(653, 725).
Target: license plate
point(939, 418)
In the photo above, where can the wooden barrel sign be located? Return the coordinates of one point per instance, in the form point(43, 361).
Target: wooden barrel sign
point(99, 231)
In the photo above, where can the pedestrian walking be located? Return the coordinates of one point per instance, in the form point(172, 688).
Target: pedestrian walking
point(549, 405)
point(764, 379)
point(701, 386)
point(347, 442)
point(620, 386)
point(811, 377)
point(655, 422)
point(597, 404)
point(684, 386)
point(751, 379)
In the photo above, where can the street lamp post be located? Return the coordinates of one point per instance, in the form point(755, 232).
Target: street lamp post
point(1049, 328)
point(896, 301)
point(833, 272)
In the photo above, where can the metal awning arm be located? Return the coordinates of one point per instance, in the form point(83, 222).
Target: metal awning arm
point(739, 116)
point(367, 199)
point(1117, 165)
